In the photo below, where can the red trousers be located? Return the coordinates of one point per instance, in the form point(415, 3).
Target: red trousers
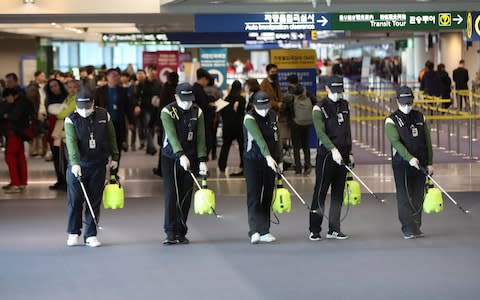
point(16, 162)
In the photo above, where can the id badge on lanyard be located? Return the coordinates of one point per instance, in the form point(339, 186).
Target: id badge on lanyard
point(414, 131)
point(340, 118)
point(275, 132)
point(91, 143)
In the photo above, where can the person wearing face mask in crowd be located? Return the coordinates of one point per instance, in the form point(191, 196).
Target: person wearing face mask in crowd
point(331, 118)
point(90, 139)
point(183, 151)
point(271, 86)
point(262, 160)
point(409, 135)
point(251, 86)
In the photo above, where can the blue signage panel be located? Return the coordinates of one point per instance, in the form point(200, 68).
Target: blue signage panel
point(473, 26)
point(214, 60)
point(261, 22)
point(307, 77)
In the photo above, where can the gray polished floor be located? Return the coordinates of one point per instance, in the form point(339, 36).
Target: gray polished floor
point(220, 263)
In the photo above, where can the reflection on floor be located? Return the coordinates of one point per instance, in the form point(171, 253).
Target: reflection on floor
point(139, 181)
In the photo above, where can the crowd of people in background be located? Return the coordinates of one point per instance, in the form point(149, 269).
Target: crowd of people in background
point(134, 99)
point(437, 83)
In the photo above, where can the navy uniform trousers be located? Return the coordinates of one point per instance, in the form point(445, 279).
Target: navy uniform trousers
point(93, 178)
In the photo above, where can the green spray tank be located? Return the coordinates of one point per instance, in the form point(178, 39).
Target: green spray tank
point(204, 198)
point(282, 200)
point(433, 202)
point(113, 194)
point(352, 195)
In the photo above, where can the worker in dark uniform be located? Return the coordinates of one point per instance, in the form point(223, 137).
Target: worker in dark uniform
point(183, 150)
point(409, 135)
point(90, 136)
point(262, 159)
point(331, 118)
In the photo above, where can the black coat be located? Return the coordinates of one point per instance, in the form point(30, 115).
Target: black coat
point(431, 84)
point(233, 120)
point(460, 76)
point(124, 103)
point(445, 84)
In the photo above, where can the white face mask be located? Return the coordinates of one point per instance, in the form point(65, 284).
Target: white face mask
point(334, 96)
point(185, 105)
point(405, 108)
point(84, 112)
point(262, 112)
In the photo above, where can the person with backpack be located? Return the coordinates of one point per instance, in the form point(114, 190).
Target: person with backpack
point(331, 118)
point(297, 107)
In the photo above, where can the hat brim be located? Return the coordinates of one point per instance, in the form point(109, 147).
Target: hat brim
point(187, 98)
point(267, 105)
point(405, 100)
point(84, 104)
point(336, 89)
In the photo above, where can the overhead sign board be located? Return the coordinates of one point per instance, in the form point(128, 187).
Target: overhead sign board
point(399, 21)
point(473, 26)
point(175, 38)
point(261, 22)
point(214, 60)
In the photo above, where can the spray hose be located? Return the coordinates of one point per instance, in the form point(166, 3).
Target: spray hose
point(425, 172)
point(200, 187)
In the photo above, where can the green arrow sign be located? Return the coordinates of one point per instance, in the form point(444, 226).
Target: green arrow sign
point(399, 21)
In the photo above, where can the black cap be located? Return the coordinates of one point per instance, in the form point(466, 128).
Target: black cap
point(335, 84)
point(84, 102)
point(261, 100)
point(405, 95)
point(185, 92)
point(84, 98)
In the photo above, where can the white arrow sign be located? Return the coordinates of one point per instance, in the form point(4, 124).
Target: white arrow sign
point(458, 19)
point(323, 21)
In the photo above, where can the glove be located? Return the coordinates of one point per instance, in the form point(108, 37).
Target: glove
point(352, 160)
point(337, 157)
point(203, 169)
point(414, 163)
point(76, 171)
point(113, 165)
point(271, 163)
point(184, 162)
point(430, 170)
point(280, 167)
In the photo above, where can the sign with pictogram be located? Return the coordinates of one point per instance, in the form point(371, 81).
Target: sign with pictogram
point(214, 60)
point(473, 26)
point(398, 21)
point(444, 19)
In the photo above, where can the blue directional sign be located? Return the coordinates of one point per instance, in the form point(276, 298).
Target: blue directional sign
point(261, 22)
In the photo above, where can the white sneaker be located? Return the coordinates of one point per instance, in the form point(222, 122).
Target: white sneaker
point(267, 238)
point(93, 242)
point(255, 238)
point(74, 240)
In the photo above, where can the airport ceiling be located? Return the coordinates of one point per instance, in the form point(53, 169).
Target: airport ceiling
point(87, 19)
